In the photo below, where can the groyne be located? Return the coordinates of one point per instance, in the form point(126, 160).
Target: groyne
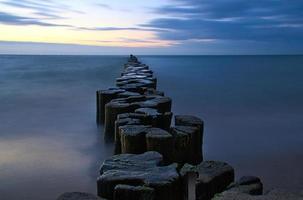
point(154, 160)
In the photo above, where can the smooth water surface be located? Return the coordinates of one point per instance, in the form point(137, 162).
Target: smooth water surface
point(252, 107)
point(49, 143)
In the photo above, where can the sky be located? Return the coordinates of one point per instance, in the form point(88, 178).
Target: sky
point(186, 27)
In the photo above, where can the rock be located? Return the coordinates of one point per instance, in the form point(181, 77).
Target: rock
point(161, 141)
point(133, 161)
point(276, 194)
point(162, 104)
point(192, 121)
point(132, 74)
point(132, 138)
point(138, 82)
point(213, 177)
point(136, 87)
point(139, 170)
point(155, 118)
point(124, 192)
point(248, 184)
point(151, 91)
point(127, 94)
point(77, 196)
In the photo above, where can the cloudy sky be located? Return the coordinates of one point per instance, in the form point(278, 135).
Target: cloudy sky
point(151, 27)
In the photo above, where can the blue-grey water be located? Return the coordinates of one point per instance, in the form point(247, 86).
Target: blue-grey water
point(49, 143)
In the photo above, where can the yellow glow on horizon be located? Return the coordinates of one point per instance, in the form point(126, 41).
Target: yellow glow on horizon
point(73, 22)
point(65, 35)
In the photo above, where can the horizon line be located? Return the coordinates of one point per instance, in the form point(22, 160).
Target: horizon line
point(273, 54)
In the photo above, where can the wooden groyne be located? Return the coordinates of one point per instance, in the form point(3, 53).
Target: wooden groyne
point(154, 160)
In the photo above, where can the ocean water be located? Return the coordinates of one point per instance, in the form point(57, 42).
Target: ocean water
point(49, 142)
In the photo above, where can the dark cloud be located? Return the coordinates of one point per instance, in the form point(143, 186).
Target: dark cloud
point(9, 19)
point(266, 20)
point(31, 5)
point(46, 8)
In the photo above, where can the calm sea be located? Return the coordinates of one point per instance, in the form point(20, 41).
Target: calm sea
point(49, 143)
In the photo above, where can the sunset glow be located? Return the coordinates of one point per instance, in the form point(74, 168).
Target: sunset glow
point(151, 27)
point(78, 22)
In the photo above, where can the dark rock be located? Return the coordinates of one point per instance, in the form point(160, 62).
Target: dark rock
point(162, 104)
point(127, 94)
point(139, 170)
point(77, 196)
point(133, 161)
point(137, 87)
point(155, 118)
point(214, 177)
point(139, 83)
point(248, 184)
point(276, 194)
point(124, 192)
point(151, 91)
point(247, 180)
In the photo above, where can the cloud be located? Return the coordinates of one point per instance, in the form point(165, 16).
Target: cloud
point(46, 8)
point(103, 5)
point(112, 28)
point(10, 19)
point(266, 20)
point(31, 5)
point(48, 15)
point(128, 40)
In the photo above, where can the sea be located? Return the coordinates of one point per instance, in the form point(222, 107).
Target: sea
point(252, 107)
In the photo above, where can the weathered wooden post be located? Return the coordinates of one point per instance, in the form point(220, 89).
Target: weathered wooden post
point(192, 121)
point(102, 98)
point(132, 138)
point(161, 141)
